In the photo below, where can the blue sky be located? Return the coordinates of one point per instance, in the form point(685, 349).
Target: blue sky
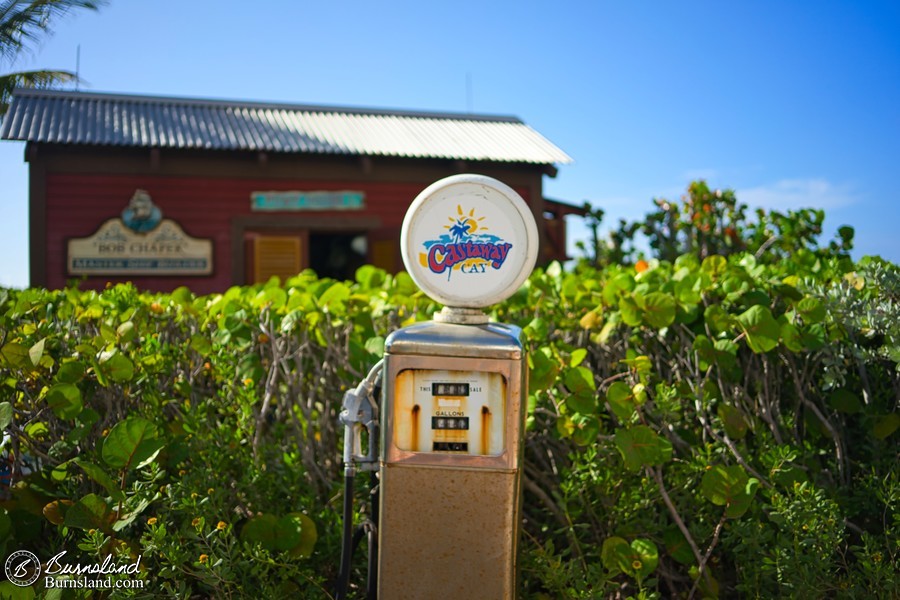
point(790, 103)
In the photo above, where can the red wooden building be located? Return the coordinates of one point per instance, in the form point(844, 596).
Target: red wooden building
point(167, 191)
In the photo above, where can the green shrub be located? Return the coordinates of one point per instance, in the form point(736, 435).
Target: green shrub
point(733, 409)
point(199, 433)
point(709, 424)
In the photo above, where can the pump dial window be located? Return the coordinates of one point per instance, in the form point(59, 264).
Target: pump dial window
point(450, 411)
point(449, 389)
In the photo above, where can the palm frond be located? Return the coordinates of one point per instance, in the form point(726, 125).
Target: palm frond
point(30, 79)
point(24, 22)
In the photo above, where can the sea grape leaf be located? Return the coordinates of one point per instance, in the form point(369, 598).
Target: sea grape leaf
point(621, 400)
point(677, 546)
point(544, 369)
point(308, 534)
point(638, 559)
point(96, 473)
point(118, 367)
point(580, 383)
point(640, 445)
point(886, 425)
point(658, 308)
point(16, 356)
point(811, 310)
point(91, 512)
point(36, 352)
point(65, 400)
point(584, 429)
point(577, 357)
point(130, 443)
point(714, 265)
point(6, 415)
point(375, 345)
point(630, 311)
point(845, 401)
point(733, 421)
point(718, 318)
point(126, 332)
point(729, 487)
point(70, 372)
point(761, 328)
point(790, 335)
point(294, 532)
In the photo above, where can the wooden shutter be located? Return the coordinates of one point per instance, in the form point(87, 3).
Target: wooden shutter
point(383, 253)
point(275, 255)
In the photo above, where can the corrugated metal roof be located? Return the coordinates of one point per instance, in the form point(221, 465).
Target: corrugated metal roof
point(64, 117)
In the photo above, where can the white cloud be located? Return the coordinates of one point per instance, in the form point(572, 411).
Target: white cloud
point(798, 193)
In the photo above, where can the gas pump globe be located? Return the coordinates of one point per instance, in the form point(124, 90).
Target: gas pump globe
point(452, 415)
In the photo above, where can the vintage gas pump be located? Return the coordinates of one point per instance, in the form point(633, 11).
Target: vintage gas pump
point(454, 394)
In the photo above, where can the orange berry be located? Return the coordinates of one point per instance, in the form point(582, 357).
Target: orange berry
point(641, 266)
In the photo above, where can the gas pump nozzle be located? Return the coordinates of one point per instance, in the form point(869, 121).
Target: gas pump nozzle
point(360, 410)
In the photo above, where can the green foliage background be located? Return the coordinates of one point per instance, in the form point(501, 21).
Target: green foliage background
point(716, 419)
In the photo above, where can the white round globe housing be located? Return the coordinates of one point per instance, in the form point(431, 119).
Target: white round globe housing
point(469, 241)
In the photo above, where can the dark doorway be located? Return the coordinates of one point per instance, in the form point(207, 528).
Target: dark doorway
point(337, 255)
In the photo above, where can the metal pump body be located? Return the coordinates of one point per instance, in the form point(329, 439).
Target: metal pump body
point(451, 461)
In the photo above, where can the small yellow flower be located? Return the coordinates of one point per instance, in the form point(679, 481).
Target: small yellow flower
point(92, 531)
point(636, 565)
point(210, 491)
point(204, 558)
point(151, 521)
point(196, 522)
point(221, 525)
point(182, 473)
point(105, 432)
point(193, 495)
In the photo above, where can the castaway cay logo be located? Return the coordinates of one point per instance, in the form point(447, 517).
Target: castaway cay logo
point(466, 247)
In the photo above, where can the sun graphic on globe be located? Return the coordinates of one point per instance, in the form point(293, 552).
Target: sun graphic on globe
point(464, 225)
